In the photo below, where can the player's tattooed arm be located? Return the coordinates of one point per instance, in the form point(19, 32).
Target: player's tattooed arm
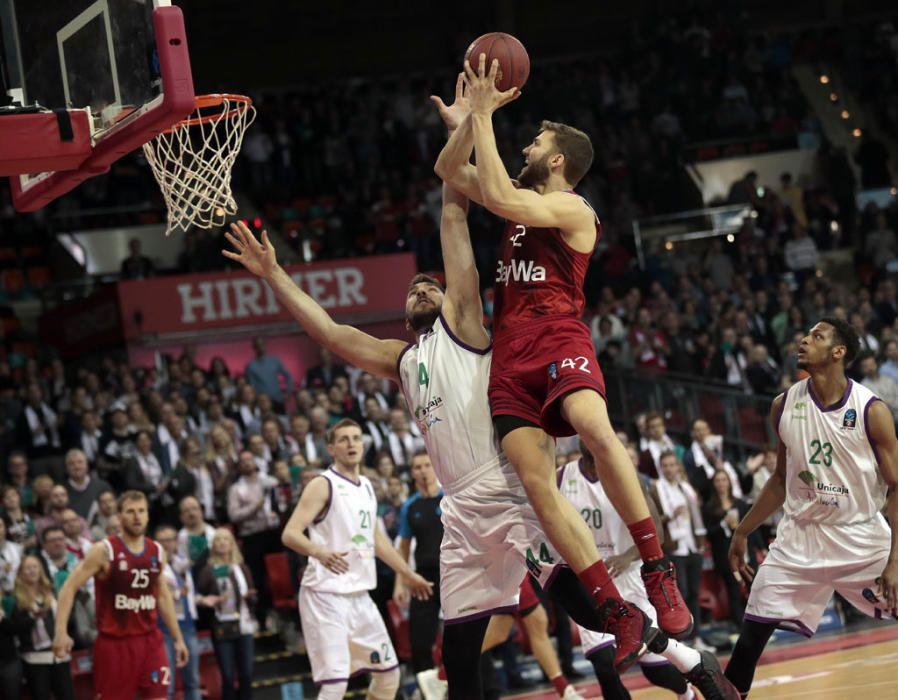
point(882, 436)
point(770, 500)
point(362, 350)
point(313, 504)
point(94, 562)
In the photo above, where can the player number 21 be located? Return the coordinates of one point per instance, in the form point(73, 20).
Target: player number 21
point(572, 363)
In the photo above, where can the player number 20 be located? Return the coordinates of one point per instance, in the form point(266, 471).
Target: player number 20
point(572, 362)
point(593, 517)
point(140, 578)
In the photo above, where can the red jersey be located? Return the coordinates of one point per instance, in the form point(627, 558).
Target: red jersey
point(538, 276)
point(127, 594)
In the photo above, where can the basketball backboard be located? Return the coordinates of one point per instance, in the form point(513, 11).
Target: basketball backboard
point(125, 61)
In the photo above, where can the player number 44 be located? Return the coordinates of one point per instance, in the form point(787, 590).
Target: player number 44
point(576, 363)
point(544, 555)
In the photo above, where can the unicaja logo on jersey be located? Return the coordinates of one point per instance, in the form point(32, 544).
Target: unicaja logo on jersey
point(426, 415)
point(520, 271)
point(138, 604)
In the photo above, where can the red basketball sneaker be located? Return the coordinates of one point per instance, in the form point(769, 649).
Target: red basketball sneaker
point(660, 580)
point(632, 630)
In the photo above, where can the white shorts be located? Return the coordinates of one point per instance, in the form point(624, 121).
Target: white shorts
point(808, 561)
point(344, 634)
point(491, 539)
point(632, 589)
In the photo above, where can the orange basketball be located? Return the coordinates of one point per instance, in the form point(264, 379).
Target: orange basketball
point(514, 63)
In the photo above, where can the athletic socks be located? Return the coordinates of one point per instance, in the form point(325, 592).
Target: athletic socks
point(682, 657)
point(598, 583)
point(560, 683)
point(645, 535)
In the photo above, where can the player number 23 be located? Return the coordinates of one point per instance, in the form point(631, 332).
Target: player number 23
point(823, 452)
point(573, 363)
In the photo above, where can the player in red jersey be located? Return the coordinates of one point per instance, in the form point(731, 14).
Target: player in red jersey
point(545, 381)
point(129, 654)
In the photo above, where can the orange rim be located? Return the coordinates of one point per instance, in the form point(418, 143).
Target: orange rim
point(241, 104)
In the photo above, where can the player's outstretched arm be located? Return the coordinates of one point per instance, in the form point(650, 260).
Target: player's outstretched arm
point(170, 617)
point(313, 503)
point(420, 587)
point(770, 500)
point(258, 256)
point(454, 162)
point(92, 564)
point(462, 307)
point(882, 435)
point(499, 194)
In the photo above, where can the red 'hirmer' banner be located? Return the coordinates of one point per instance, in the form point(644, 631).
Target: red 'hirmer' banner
point(358, 289)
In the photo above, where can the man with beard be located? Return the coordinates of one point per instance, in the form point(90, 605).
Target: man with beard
point(836, 468)
point(491, 534)
point(545, 380)
point(129, 653)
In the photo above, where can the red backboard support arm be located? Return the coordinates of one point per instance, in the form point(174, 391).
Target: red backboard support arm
point(177, 103)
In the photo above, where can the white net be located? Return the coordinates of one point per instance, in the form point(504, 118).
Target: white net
point(192, 161)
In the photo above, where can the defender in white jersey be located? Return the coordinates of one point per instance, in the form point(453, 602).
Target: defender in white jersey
point(344, 632)
point(837, 467)
point(491, 534)
point(669, 664)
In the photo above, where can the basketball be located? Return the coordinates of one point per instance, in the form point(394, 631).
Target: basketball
point(514, 63)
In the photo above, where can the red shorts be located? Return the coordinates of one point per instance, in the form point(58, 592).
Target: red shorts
point(125, 665)
point(537, 365)
point(528, 598)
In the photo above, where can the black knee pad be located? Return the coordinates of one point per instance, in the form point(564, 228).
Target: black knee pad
point(665, 676)
point(461, 658)
point(752, 639)
point(602, 660)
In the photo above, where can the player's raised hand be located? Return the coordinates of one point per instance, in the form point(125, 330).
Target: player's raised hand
point(62, 645)
point(483, 95)
point(888, 586)
point(452, 115)
point(333, 561)
point(419, 586)
point(255, 254)
point(742, 572)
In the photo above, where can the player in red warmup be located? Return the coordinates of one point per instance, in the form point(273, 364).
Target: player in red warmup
point(129, 654)
point(545, 381)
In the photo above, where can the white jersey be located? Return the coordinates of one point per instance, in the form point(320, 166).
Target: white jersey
point(589, 498)
point(445, 384)
point(347, 526)
point(832, 475)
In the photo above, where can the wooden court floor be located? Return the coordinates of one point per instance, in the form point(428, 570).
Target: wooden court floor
point(856, 666)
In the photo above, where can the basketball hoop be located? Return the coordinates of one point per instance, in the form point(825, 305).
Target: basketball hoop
point(192, 161)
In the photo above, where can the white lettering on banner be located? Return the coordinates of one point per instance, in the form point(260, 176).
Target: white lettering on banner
point(247, 294)
point(224, 312)
point(190, 302)
point(242, 297)
point(315, 281)
point(136, 604)
point(349, 282)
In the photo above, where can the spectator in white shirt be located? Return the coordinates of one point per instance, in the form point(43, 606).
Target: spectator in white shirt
point(800, 254)
point(884, 387)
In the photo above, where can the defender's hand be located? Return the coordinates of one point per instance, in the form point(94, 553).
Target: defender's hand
point(453, 114)
point(256, 255)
